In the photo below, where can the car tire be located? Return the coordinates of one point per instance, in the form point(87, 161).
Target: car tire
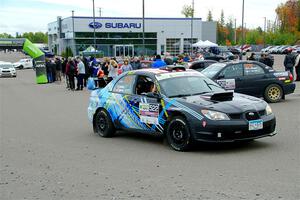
point(273, 93)
point(178, 134)
point(21, 67)
point(103, 125)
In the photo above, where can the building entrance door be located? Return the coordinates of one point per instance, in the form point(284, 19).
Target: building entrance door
point(124, 50)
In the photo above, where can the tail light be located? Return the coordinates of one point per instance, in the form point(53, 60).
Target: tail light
point(291, 77)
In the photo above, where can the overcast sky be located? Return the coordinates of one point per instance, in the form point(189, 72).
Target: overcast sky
point(34, 15)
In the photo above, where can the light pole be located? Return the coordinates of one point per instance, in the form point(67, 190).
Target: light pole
point(235, 31)
point(73, 26)
point(100, 12)
point(192, 19)
point(94, 24)
point(143, 26)
point(241, 56)
point(265, 23)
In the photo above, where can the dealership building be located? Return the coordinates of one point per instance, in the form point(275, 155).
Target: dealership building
point(120, 36)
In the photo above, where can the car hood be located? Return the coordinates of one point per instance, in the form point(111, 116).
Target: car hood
point(239, 103)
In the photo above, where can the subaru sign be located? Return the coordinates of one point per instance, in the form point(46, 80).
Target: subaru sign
point(95, 25)
point(115, 25)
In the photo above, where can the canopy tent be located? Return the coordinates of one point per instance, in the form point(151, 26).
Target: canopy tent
point(91, 51)
point(204, 44)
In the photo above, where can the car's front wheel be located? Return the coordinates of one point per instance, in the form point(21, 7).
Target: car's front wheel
point(178, 134)
point(103, 125)
point(273, 93)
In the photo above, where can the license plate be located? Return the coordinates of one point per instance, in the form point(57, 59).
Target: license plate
point(255, 124)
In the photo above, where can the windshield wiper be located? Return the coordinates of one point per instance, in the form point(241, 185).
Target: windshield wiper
point(199, 93)
point(210, 84)
point(179, 95)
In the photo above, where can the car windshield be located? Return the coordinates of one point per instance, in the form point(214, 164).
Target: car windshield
point(188, 86)
point(213, 69)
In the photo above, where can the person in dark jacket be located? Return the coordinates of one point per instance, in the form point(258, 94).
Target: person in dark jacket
point(266, 60)
point(71, 71)
point(135, 63)
point(158, 62)
point(289, 62)
point(58, 68)
point(49, 71)
point(251, 57)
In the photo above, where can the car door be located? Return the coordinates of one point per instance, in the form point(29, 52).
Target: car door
point(120, 107)
point(254, 80)
point(146, 104)
point(230, 77)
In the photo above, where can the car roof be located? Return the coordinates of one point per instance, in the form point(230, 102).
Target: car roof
point(240, 62)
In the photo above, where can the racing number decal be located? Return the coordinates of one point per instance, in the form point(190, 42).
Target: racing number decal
point(228, 84)
point(149, 113)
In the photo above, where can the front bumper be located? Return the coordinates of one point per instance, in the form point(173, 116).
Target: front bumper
point(8, 74)
point(233, 130)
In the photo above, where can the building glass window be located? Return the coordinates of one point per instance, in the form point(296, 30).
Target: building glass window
point(173, 46)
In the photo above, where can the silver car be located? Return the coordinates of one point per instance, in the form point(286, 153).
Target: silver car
point(7, 70)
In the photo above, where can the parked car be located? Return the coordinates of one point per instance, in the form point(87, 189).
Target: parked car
point(252, 78)
point(184, 106)
point(211, 56)
point(267, 49)
point(7, 70)
point(25, 63)
point(200, 64)
point(274, 49)
point(246, 48)
point(296, 50)
point(234, 50)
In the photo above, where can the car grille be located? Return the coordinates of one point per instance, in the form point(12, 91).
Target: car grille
point(252, 115)
point(247, 115)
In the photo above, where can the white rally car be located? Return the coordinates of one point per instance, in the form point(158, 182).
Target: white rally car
point(7, 70)
point(25, 63)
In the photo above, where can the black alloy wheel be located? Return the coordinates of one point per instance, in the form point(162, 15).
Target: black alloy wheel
point(178, 134)
point(103, 125)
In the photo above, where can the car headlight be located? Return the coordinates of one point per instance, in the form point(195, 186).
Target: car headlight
point(214, 115)
point(268, 110)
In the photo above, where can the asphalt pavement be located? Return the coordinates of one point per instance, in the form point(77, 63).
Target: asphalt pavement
point(48, 151)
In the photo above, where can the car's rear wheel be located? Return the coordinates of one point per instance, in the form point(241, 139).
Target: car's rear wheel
point(178, 134)
point(273, 93)
point(103, 125)
point(21, 67)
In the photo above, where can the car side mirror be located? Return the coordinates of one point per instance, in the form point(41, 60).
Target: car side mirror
point(91, 84)
point(221, 76)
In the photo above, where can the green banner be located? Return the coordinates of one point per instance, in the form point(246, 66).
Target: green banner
point(31, 49)
point(39, 59)
point(40, 70)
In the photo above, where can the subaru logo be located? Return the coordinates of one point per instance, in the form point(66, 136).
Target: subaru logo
point(95, 25)
point(251, 114)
